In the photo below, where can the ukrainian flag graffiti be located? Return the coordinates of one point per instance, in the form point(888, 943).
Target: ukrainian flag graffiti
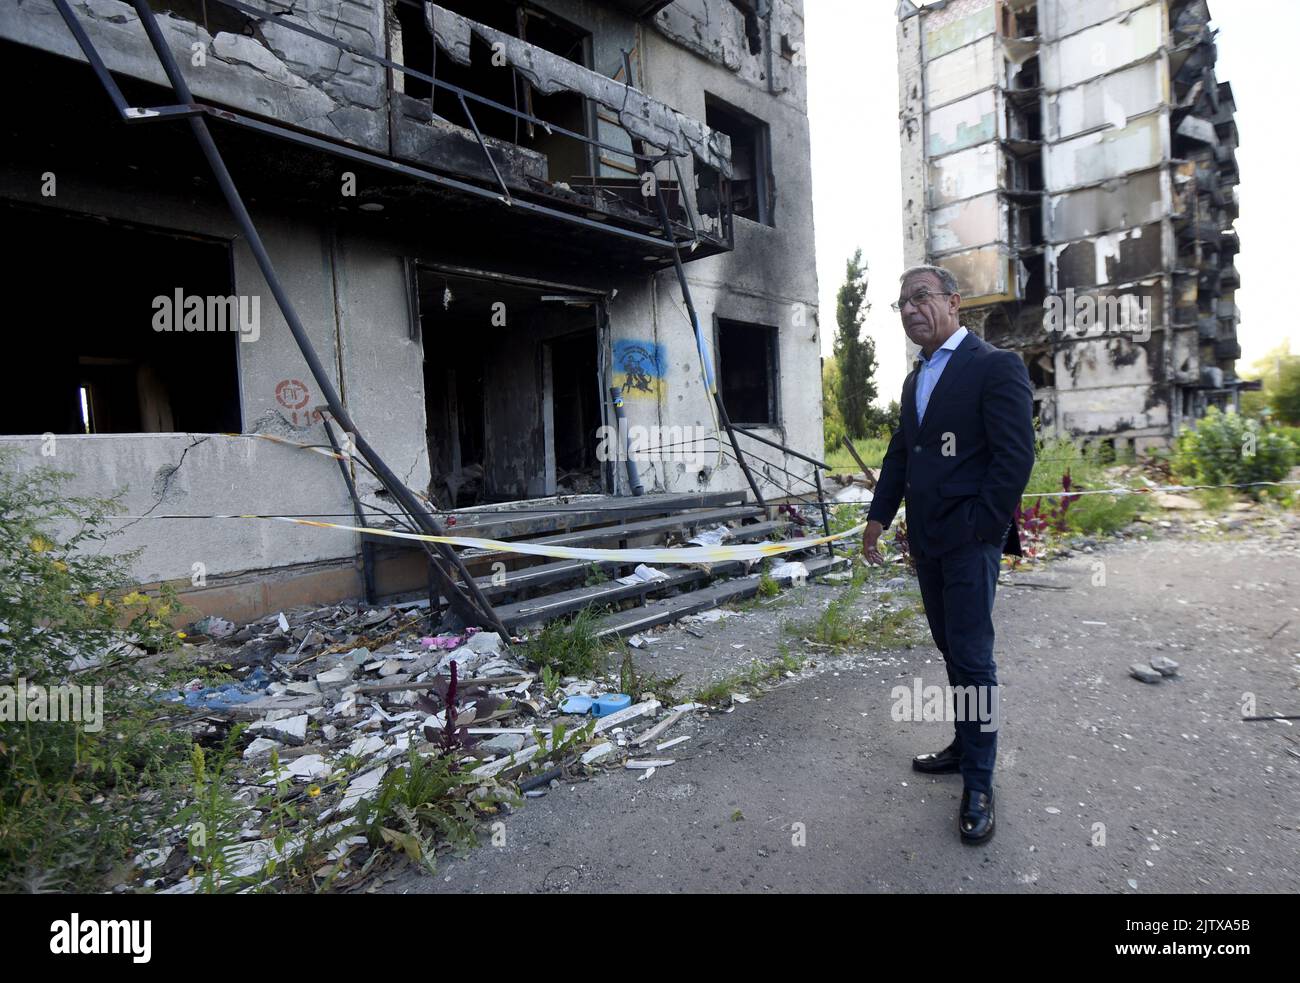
point(640, 368)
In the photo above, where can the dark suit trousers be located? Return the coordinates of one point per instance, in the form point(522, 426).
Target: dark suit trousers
point(957, 589)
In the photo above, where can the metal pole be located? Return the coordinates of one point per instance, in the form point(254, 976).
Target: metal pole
point(474, 608)
point(695, 323)
point(367, 547)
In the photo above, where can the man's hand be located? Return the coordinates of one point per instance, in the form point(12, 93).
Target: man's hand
point(870, 538)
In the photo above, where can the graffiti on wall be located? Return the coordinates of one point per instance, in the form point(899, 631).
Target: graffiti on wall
point(640, 368)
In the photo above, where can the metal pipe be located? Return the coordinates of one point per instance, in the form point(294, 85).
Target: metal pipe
point(475, 607)
point(367, 546)
point(633, 473)
point(782, 447)
point(826, 518)
point(666, 222)
point(374, 160)
point(483, 146)
point(92, 56)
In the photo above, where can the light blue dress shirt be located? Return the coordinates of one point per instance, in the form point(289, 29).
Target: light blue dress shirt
point(931, 369)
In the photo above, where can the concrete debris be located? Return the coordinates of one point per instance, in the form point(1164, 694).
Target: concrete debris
point(290, 730)
point(1165, 666)
point(597, 753)
point(711, 616)
point(793, 570)
point(635, 763)
point(338, 699)
point(1144, 673)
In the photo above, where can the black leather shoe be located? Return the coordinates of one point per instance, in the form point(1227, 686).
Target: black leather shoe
point(975, 820)
point(939, 762)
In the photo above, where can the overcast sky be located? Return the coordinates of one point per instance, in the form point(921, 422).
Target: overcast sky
point(853, 112)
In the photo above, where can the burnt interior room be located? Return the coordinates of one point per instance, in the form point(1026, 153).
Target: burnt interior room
point(512, 389)
point(751, 180)
point(747, 372)
point(566, 156)
point(86, 287)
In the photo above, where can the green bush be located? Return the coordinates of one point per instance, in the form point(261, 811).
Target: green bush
point(1231, 449)
point(70, 792)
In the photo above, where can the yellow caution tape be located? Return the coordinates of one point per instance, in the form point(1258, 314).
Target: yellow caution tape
point(683, 554)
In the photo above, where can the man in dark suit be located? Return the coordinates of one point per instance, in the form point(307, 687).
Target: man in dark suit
point(961, 457)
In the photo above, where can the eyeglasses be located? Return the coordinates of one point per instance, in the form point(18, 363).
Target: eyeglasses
point(917, 299)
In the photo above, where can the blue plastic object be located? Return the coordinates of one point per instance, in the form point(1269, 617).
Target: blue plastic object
point(577, 704)
point(610, 703)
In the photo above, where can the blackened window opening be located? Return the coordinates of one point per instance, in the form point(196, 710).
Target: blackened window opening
point(747, 372)
point(97, 292)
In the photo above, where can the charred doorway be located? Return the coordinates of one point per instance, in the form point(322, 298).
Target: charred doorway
point(513, 383)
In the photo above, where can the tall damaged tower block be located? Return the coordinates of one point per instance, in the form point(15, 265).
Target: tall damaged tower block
point(1073, 162)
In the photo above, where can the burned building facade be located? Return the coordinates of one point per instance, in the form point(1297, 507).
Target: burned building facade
point(1073, 163)
point(477, 209)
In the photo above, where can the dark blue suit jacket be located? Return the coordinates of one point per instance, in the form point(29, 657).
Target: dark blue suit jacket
point(963, 471)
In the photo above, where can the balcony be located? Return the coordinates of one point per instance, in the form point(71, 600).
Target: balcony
point(544, 179)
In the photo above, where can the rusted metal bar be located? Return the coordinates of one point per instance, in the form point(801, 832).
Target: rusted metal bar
point(472, 606)
point(486, 153)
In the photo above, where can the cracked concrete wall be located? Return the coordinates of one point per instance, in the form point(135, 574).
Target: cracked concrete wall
point(359, 279)
point(279, 73)
point(769, 278)
point(717, 30)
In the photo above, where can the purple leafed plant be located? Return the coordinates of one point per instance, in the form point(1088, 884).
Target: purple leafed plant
point(445, 696)
point(1046, 515)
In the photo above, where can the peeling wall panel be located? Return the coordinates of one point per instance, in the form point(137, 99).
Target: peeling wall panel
point(963, 124)
point(981, 273)
point(1104, 48)
point(1106, 154)
point(967, 224)
point(1057, 18)
point(1140, 199)
point(961, 72)
point(1108, 101)
point(1114, 257)
point(964, 174)
point(957, 25)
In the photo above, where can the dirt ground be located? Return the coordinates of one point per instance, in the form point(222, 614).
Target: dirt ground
point(1104, 783)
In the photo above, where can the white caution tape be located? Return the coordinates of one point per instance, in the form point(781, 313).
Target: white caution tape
point(684, 554)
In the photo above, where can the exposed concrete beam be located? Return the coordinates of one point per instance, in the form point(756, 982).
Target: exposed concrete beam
point(644, 118)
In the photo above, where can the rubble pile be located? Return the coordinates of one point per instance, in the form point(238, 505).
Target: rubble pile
point(330, 701)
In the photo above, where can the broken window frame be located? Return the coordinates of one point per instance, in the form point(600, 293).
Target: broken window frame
point(761, 151)
point(233, 398)
point(772, 347)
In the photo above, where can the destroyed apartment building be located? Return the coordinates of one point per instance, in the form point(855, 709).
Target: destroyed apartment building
point(478, 234)
point(1073, 162)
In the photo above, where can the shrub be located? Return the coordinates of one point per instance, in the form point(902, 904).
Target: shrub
point(69, 616)
point(1231, 449)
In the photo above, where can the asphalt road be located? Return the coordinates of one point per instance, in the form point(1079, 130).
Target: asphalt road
point(1104, 783)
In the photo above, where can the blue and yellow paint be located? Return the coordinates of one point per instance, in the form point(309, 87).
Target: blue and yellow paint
point(640, 368)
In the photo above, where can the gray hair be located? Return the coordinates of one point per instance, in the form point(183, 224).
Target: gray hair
point(947, 279)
